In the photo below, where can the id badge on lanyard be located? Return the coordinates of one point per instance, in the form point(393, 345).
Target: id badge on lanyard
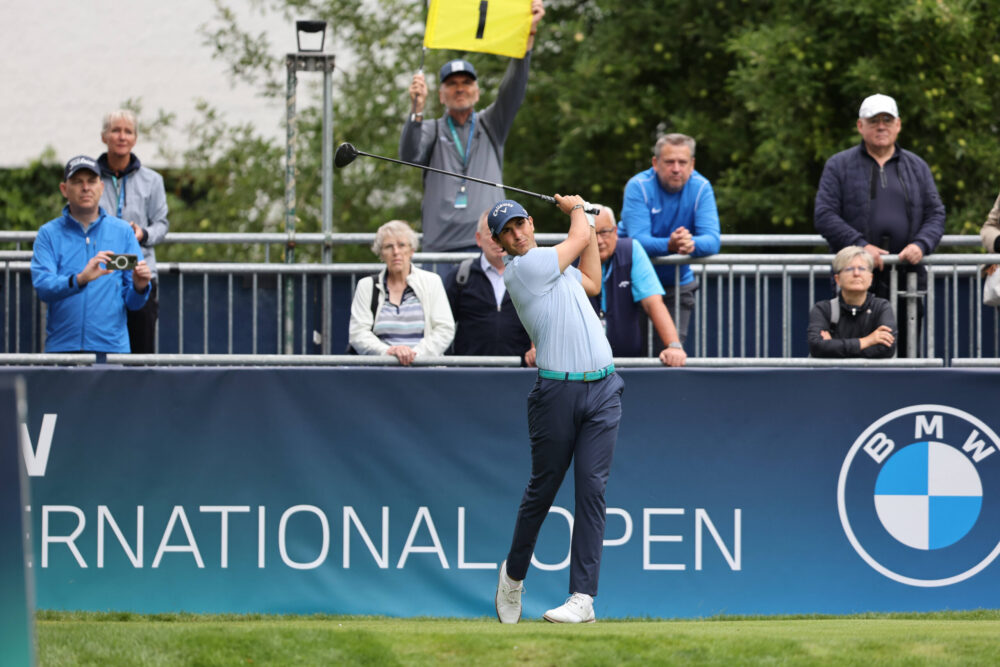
point(462, 196)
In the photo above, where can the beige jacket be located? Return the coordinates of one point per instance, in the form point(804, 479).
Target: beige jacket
point(991, 228)
point(439, 325)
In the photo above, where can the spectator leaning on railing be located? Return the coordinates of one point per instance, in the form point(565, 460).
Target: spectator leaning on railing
point(670, 209)
point(630, 288)
point(403, 310)
point(855, 323)
point(881, 197)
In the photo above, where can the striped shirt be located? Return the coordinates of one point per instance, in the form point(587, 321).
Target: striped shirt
point(402, 324)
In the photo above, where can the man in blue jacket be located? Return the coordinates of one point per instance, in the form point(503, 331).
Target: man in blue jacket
point(630, 292)
point(670, 209)
point(881, 197)
point(73, 269)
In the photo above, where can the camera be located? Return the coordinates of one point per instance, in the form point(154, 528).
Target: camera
point(121, 262)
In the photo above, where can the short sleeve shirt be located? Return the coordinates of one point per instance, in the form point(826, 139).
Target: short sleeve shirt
point(556, 313)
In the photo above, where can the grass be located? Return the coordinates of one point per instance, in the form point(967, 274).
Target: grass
point(941, 638)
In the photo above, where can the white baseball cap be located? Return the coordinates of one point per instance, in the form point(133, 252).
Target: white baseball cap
point(876, 104)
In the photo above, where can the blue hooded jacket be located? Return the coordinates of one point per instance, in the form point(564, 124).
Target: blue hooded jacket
point(90, 318)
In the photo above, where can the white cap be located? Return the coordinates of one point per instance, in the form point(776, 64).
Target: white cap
point(876, 104)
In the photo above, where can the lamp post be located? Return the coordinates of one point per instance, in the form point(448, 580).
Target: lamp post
point(308, 58)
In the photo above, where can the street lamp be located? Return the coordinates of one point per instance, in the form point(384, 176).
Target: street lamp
point(309, 28)
point(309, 58)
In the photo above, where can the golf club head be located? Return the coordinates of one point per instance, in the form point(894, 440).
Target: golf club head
point(346, 153)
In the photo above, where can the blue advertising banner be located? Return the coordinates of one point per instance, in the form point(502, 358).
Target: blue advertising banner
point(17, 637)
point(394, 491)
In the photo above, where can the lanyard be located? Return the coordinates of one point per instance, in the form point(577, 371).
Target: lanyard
point(121, 194)
point(463, 152)
point(605, 271)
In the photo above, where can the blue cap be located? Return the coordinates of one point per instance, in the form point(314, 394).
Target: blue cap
point(503, 212)
point(458, 67)
point(78, 163)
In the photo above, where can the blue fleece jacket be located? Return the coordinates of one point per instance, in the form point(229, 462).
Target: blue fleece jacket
point(89, 318)
point(650, 215)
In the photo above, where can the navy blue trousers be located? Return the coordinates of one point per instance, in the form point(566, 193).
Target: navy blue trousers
point(575, 422)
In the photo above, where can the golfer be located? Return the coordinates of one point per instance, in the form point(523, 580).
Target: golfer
point(575, 406)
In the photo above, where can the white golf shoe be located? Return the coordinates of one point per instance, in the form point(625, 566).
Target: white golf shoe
point(508, 600)
point(578, 608)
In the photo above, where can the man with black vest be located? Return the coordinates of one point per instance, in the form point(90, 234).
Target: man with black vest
point(485, 319)
point(629, 288)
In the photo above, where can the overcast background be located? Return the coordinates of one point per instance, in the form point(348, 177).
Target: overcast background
point(65, 64)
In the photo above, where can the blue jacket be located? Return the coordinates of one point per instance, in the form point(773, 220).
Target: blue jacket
point(650, 214)
point(844, 198)
point(89, 318)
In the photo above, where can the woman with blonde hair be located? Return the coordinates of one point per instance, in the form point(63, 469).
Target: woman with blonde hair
point(407, 314)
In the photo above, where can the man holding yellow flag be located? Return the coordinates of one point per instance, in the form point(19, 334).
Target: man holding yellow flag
point(462, 140)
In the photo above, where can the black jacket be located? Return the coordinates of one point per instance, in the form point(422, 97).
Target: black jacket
point(481, 328)
point(854, 323)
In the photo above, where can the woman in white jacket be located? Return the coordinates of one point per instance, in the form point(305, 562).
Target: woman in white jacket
point(412, 316)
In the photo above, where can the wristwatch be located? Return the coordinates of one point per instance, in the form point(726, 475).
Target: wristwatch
point(416, 117)
point(677, 345)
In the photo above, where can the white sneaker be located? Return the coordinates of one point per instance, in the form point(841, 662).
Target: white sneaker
point(578, 608)
point(508, 600)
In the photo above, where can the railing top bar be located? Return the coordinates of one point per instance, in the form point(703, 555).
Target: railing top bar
point(275, 360)
point(366, 238)
point(714, 265)
point(51, 359)
point(970, 362)
point(301, 360)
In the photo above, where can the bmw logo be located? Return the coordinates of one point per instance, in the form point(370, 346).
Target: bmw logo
point(919, 495)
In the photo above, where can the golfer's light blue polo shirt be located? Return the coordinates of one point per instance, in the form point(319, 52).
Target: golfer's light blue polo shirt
point(556, 313)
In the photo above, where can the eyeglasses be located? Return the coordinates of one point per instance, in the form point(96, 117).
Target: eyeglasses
point(881, 120)
point(607, 232)
point(391, 247)
point(856, 269)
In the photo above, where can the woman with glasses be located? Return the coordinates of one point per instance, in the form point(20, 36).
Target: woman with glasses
point(402, 310)
point(855, 323)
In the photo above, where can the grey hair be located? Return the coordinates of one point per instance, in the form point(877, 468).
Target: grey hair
point(847, 255)
point(120, 114)
point(610, 211)
point(673, 140)
point(395, 228)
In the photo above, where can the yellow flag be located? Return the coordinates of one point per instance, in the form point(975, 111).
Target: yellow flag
point(487, 26)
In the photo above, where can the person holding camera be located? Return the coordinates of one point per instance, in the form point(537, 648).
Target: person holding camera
point(84, 266)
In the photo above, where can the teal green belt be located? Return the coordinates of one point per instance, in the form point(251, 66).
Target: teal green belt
point(587, 376)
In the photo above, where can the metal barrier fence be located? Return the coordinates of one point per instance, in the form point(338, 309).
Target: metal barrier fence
point(749, 306)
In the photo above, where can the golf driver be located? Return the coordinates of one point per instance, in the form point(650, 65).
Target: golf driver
point(347, 153)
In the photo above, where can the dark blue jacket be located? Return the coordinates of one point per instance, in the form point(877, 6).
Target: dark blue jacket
point(624, 319)
point(482, 329)
point(844, 198)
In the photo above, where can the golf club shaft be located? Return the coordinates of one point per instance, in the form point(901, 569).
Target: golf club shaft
point(468, 178)
point(589, 208)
